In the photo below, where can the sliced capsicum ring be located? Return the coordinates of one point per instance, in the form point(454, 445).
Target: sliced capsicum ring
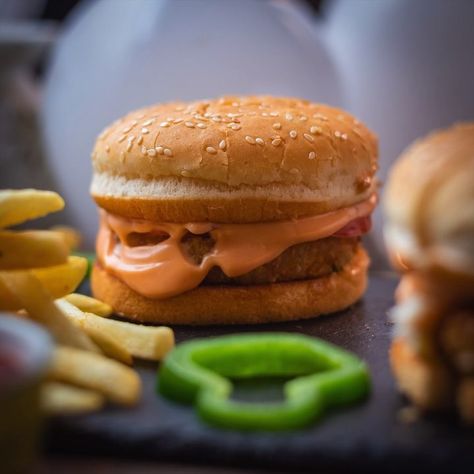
point(199, 372)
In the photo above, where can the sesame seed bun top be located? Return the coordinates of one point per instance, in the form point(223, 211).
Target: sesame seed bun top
point(429, 201)
point(277, 158)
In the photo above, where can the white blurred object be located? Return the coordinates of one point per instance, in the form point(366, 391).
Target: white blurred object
point(407, 67)
point(117, 55)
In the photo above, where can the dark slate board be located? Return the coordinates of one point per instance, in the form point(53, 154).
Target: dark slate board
point(369, 437)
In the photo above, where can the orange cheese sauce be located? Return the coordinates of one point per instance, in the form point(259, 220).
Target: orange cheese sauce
point(163, 269)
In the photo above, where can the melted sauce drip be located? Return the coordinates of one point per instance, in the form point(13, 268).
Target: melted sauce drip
point(164, 269)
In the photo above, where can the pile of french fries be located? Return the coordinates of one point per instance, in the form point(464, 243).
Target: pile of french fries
point(93, 353)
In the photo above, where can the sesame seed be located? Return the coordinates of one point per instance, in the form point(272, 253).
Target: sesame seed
point(276, 126)
point(178, 120)
point(201, 125)
point(308, 137)
point(140, 140)
point(337, 134)
point(185, 173)
point(211, 150)
point(107, 148)
point(295, 171)
point(288, 116)
point(151, 152)
point(129, 145)
point(222, 145)
point(320, 117)
point(312, 155)
point(344, 136)
point(122, 138)
point(208, 114)
point(234, 126)
point(179, 108)
point(168, 152)
point(293, 133)
point(314, 130)
point(274, 114)
point(265, 114)
point(252, 113)
point(216, 119)
point(303, 118)
point(276, 141)
point(250, 139)
point(143, 150)
point(145, 131)
point(127, 129)
point(148, 122)
point(260, 141)
point(159, 150)
point(164, 124)
point(189, 124)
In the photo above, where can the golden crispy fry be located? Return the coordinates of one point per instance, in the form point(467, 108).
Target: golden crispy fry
point(72, 237)
point(20, 205)
point(41, 307)
point(62, 399)
point(110, 346)
point(115, 381)
point(145, 342)
point(57, 281)
point(62, 279)
point(32, 248)
point(89, 304)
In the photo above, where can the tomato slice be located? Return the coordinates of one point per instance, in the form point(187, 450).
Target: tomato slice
point(357, 227)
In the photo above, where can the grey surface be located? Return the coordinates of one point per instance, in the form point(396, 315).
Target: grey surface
point(369, 437)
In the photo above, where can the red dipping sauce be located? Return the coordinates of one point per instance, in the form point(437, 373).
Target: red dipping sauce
point(11, 363)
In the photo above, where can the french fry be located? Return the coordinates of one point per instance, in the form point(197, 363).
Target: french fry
point(89, 304)
point(32, 248)
point(40, 306)
point(62, 399)
point(117, 382)
point(58, 281)
point(20, 205)
point(62, 279)
point(109, 345)
point(71, 236)
point(145, 342)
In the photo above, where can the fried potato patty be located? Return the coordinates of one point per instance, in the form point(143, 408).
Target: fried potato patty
point(300, 262)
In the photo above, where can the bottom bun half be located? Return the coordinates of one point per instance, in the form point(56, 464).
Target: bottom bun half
point(252, 304)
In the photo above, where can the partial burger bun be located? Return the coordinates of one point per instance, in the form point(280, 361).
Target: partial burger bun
point(429, 203)
point(234, 160)
point(239, 304)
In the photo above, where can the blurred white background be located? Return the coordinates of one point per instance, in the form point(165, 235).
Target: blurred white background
point(402, 66)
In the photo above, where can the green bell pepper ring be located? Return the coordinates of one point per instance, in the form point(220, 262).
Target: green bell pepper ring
point(198, 372)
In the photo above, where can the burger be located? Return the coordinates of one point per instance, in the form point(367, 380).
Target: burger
point(429, 204)
point(233, 210)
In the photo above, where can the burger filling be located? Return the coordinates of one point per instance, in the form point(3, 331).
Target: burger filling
point(160, 260)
